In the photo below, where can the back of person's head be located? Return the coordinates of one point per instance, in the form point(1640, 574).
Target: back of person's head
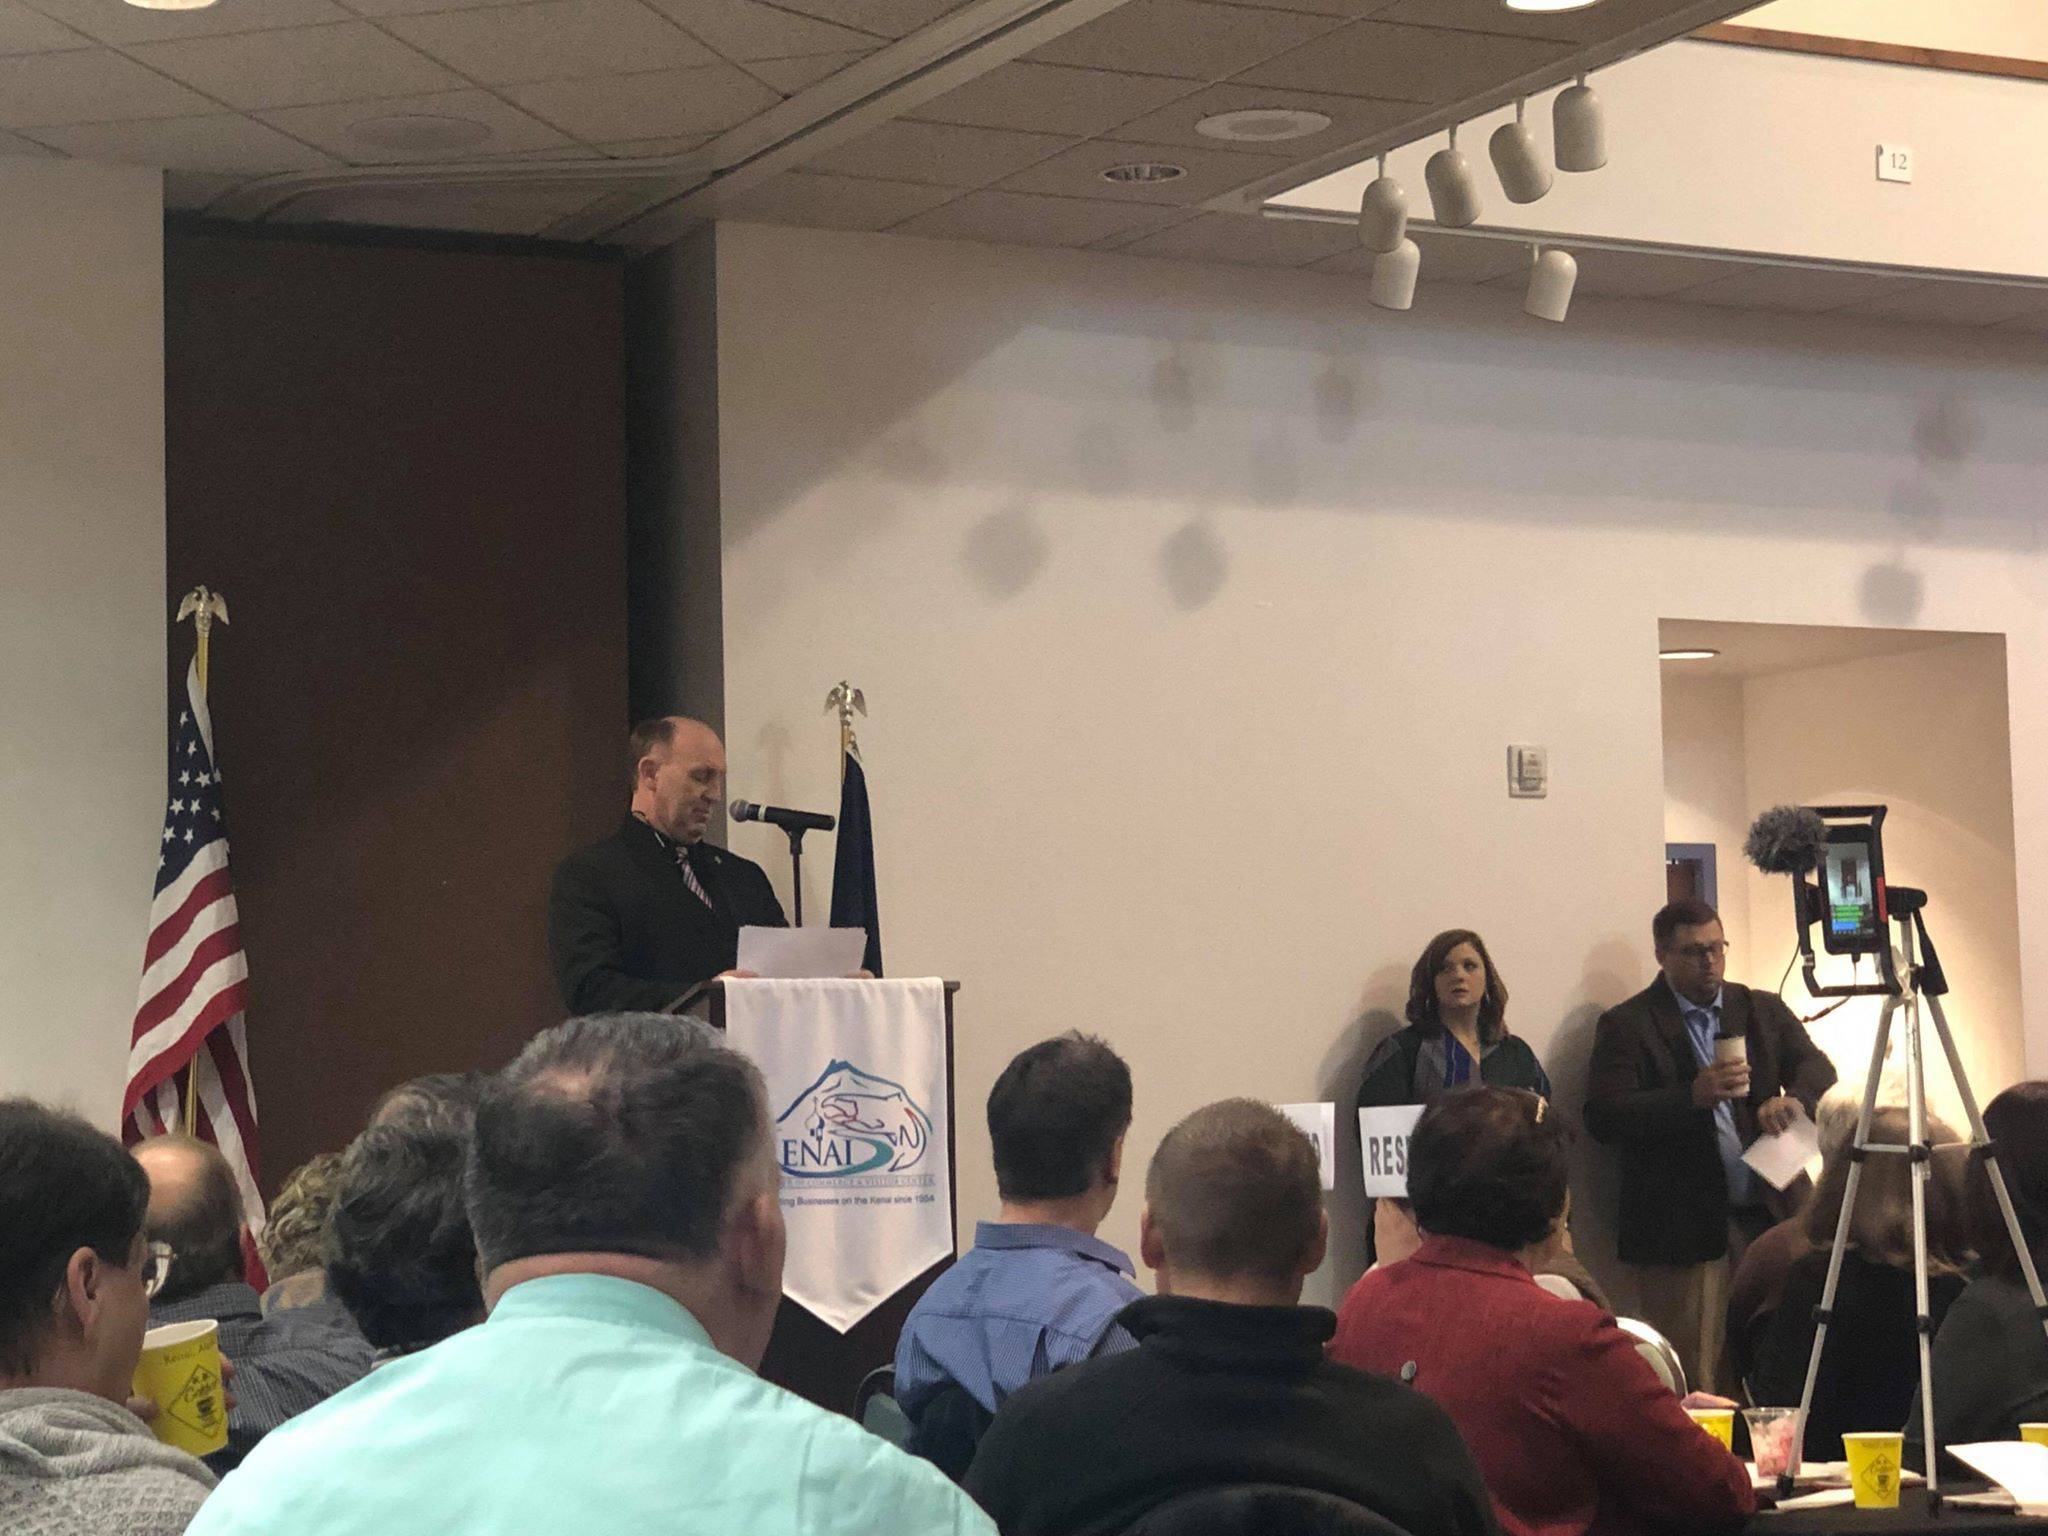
point(65, 1188)
point(1881, 1226)
point(1055, 1117)
point(447, 1100)
point(294, 1237)
point(617, 1134)
point(1490, 1165)
point(195, 1207)
point(399, 1252)
point(1235, 1193)
point(2018, 1123)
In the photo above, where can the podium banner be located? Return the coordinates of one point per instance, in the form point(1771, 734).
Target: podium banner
point(856, 1074)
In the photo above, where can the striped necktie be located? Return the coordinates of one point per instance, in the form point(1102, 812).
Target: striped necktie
point(682, 855)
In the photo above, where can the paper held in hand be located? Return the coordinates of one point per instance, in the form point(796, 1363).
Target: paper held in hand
point(1780, 1159)
point(798, 952)
point(1383, 1143)
point(1318, 1122)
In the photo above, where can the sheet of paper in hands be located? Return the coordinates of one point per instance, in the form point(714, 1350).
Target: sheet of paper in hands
point(1318, 1122)
point(1780, 1159)
point(802, 951)
point(2017, 1466)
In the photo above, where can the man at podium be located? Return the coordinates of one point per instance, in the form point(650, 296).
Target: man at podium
point(638, 919)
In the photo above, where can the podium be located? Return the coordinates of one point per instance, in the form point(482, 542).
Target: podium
point(808, 1356)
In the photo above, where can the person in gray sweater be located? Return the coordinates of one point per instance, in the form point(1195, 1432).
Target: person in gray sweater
point(76, 1276)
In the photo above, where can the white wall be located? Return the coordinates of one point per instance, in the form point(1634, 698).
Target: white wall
point(82, 618)
point(2009, 28)
point(1196, 608)
point(1704, 798)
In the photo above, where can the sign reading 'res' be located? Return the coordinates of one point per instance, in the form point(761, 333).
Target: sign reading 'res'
point(1383, 1146)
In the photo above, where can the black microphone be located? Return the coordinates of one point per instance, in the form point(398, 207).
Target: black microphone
point(778, 816)
point(1786, 840)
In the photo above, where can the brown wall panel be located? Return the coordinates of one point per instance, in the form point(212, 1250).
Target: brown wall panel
point(404, 468)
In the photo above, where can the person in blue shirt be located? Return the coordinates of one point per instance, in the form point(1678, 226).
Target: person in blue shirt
point(1038, 1290)
point(623, 1192)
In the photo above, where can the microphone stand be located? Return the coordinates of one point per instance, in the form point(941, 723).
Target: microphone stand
point(796, 870)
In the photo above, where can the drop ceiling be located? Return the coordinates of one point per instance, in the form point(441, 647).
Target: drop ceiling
point(628, 121)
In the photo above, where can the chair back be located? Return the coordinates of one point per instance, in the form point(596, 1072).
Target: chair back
point(948, 1427)
point(1656, 1349)
point(875, 1407)
point(1261, 1509)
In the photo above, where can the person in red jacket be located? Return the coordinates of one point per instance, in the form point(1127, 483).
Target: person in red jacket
point(1573, 1432)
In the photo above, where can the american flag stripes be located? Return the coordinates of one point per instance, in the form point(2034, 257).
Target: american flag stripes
point(194, 974)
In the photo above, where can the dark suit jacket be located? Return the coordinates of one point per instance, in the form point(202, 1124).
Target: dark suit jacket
point(625, 932)
point(1674, 1195)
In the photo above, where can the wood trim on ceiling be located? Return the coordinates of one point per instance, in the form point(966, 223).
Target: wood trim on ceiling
point(1875, 53)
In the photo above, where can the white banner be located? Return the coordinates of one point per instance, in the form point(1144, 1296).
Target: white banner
point(1383, 1147)
point(856, 1075)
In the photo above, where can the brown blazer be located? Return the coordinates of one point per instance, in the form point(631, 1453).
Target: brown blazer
point(1674, 1195)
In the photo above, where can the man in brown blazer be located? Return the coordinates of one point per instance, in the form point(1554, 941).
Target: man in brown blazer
point(1679, 1122)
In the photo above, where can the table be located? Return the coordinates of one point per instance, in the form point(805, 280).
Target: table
point(1911, 1518)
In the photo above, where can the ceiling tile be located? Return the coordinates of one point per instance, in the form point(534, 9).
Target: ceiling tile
point(1077, 172)
point(1587, 24)
point(944, 154)
point(1187, 39)
point(195, 189)
point(564, 152)
point(884, 18)
point(298, 66)
point(89, 85)
point(512, 131)
point(25, 31)
point(746, 30)
point(15, 144)
point(1450, 259)
point(1351, 118)
point(504, 210)
point(1933, 301)
point(1343, 10)
point(380, 8)
point(648, 106)
point(1804, 289)
point(555, 40)
point(1018, 218)
point(1393, 63)
point(792, 75)
point(221, 142)
point(831, 202)
point(655, 149)
point(1047, 98)
point(115, 21)
point(1247, 240)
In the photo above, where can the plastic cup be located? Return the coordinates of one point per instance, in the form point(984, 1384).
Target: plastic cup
point(1874, 1467)
point(180, 1372)
point(1718, 1422)
point(2034, 1434)
point(1770, 1439)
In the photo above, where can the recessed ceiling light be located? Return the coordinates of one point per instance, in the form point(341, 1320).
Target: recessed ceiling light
point(1549, 5)
point(1687, 653)
point(1145, 171)
point(1262, 125)
point(419, 132)
point(171, 5)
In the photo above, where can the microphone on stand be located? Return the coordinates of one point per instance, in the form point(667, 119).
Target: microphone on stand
point(781, 816)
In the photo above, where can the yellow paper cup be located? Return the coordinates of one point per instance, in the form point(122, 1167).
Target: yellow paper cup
point(2034, 1434)
point(180, 1372)
point(1874, 1467)
point(1718, 1422)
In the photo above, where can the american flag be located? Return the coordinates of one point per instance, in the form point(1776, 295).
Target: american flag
point(194, 974)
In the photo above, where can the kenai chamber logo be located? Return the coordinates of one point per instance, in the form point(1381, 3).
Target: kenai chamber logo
point(850, 1122)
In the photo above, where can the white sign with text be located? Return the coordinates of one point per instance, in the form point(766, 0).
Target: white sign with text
point(1318, 1122)
point(1383, 1145)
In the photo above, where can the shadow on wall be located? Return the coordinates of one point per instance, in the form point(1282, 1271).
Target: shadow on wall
point(1614, 970)
point(1337, 1079)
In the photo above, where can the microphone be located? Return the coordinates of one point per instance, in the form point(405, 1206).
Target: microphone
point(778, 816)
point(1786, 840)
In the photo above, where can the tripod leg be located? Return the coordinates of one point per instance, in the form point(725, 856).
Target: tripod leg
point(1825, 1311)
point(1917, 1140)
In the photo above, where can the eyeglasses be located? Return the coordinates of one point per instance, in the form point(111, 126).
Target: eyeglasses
point(1699, 953)
point(156, 1267)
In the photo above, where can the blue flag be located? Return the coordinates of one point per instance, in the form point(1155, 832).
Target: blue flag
point(853, 864)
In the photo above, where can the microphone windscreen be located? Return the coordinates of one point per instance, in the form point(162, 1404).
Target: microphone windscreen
point(1786, 840)
point(743, 810)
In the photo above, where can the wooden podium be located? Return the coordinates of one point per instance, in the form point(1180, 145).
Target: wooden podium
point(810, 1357)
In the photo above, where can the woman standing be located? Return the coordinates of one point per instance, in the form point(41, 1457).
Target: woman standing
point(1457, 1034)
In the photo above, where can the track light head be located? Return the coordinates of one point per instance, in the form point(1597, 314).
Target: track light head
point(1524, 172)
point(1382, 212)
point(1578, 128)
point(1552, 276)
point(1453, 189)
point(1394, 274)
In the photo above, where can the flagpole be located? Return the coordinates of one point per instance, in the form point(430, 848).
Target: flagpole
point(202, 607)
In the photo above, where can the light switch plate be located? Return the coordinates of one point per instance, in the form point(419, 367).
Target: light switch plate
point(1528, 772)
point(1895, 162)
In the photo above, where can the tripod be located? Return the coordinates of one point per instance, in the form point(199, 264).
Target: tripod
point(1908, 985)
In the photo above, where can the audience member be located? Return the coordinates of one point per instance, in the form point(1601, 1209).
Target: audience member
point(76, 1275)
point(1229, 1384)
point(293, 1243)
point(283, 1364)
point(1870, 1370)
point(1038, 1290)
point(1457, 1032)
point(625, 1197)
point(1573, 1431)
point(1990, 1357)
point(1679, 1121)
point(1758, 1285)
point(400, 1255)
point(1556, 1266)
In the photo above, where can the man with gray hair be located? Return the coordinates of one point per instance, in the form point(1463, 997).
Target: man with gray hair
point(1229, 1386)
point(624, 1197)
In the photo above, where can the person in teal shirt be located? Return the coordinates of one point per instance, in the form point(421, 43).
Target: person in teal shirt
point(623, 1192)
